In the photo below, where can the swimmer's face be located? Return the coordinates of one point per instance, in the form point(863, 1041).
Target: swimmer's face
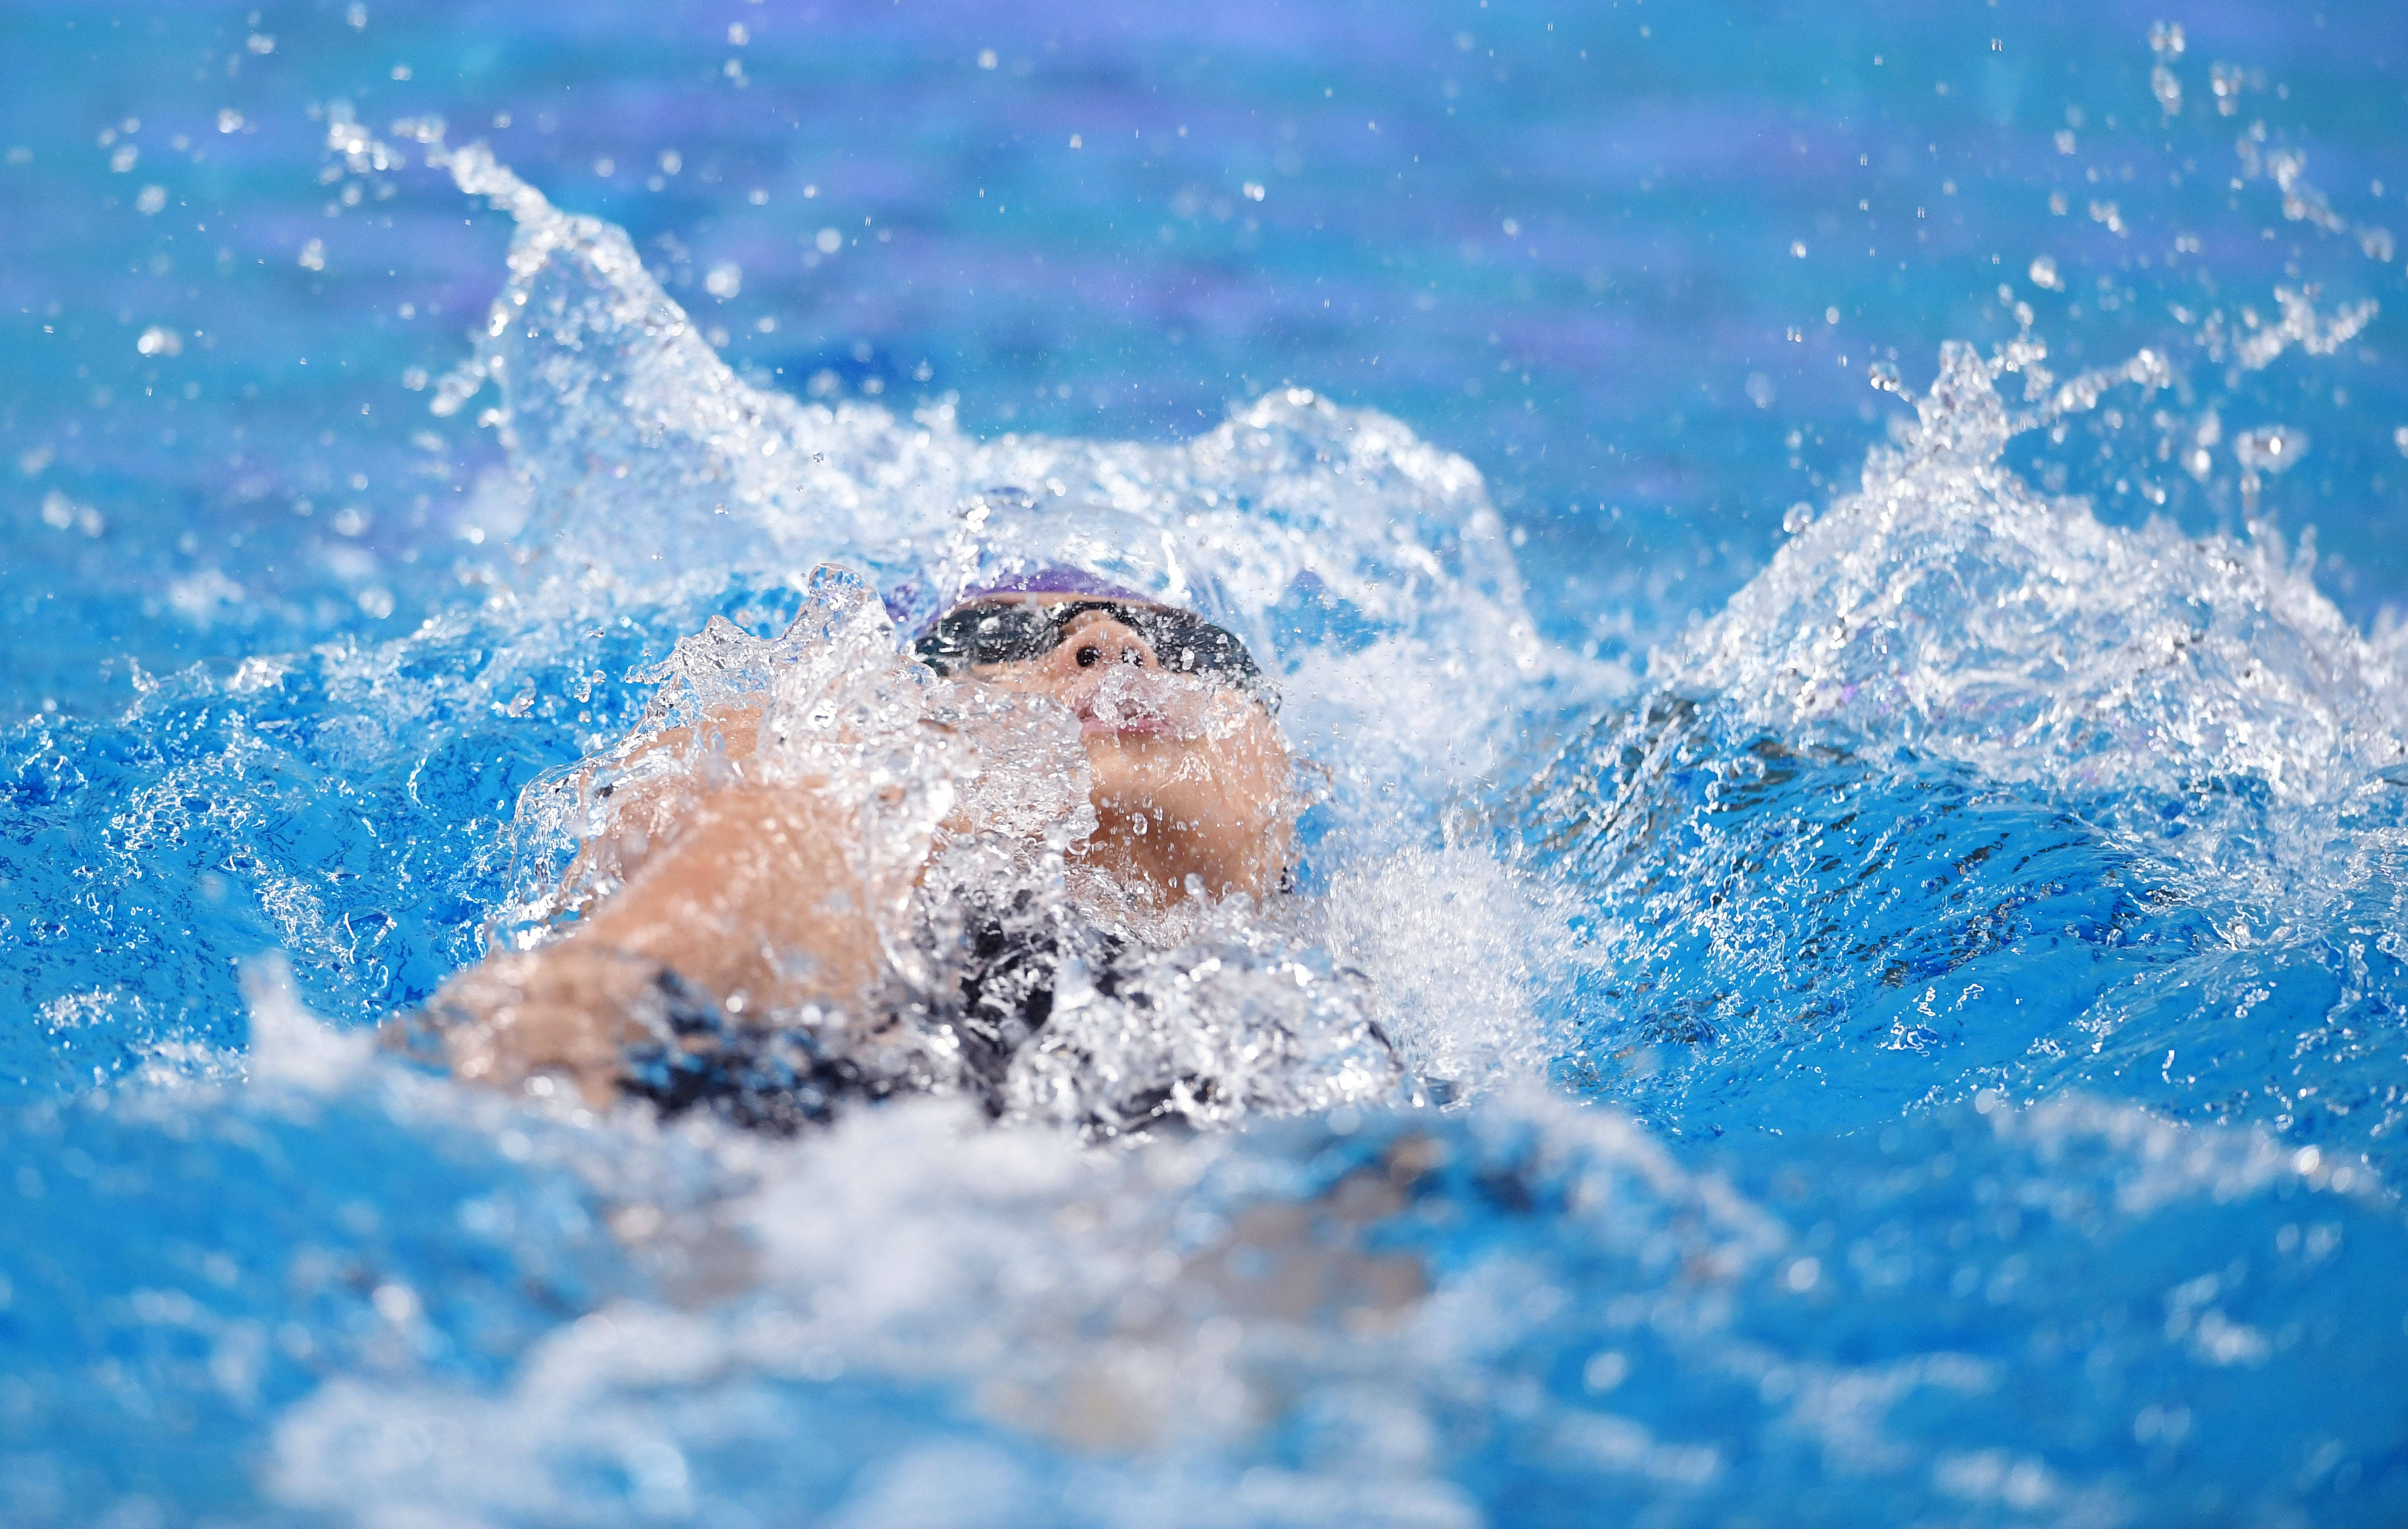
point(1191, 776)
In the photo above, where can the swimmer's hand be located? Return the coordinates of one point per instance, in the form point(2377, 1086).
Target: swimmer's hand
point(567, 1012)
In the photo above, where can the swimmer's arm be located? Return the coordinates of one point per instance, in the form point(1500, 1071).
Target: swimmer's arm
point(748, 890)
point(754, 901)
point(647, 808)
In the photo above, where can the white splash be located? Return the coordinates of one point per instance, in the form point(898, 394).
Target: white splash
point(1948, 607)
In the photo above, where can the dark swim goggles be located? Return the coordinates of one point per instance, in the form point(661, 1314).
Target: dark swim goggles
point(1015, 631)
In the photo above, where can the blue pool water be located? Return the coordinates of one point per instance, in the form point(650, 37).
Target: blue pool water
point(1845, 569)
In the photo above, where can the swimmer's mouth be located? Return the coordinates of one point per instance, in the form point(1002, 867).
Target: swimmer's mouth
point(1123, 720)
point(1133, 710)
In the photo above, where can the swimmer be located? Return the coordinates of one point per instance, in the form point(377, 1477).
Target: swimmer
point(740, 902)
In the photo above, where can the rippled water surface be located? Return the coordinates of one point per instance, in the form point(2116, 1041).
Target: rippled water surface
point(1840, 572)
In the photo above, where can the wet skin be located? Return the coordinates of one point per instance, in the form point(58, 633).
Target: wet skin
point(1191, 778)
point(1191, 793)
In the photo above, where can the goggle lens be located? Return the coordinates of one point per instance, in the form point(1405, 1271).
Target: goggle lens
point(1012, 632)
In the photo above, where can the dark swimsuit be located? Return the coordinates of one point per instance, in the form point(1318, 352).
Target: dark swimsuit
point(1005, 970)
point(778, 1080)
point(783, 1078)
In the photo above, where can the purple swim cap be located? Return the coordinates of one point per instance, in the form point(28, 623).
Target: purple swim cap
point(1058, 580)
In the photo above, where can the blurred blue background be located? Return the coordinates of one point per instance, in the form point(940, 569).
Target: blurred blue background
point(1631, 260)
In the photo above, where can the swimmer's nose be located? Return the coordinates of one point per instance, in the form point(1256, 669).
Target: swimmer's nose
point(1100, 639)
